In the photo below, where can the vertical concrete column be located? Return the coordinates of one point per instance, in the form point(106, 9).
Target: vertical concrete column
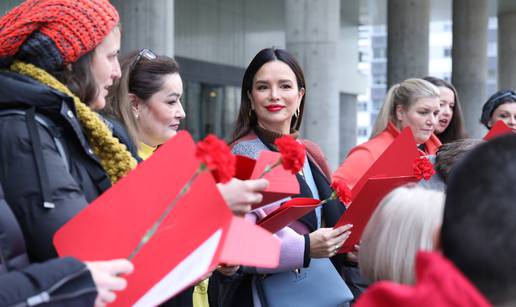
point(231, 107)
point(312, 32)
point(7, 5)
point(192, 106)
point(351, 81)
point(147, 24)
point(348, 124)
point(469, 59)
point(408, 25)
point(506, 44)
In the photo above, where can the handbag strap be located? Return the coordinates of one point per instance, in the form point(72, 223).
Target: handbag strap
point(260, 290)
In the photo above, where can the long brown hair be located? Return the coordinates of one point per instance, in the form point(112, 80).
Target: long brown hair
point(246, 118)
point(142, 77)
point(78, 77)
point(455, 130)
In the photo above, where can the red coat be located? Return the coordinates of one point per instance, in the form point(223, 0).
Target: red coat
point(439, 283)
point(361, 157)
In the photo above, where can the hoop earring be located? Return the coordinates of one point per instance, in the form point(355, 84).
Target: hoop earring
point(137, 116)
point(297, 113)
point(250, 113)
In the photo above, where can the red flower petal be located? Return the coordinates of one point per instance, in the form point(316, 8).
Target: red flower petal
point(423, 168)
point(342, 190)
point(217, 157)
point(292, 153)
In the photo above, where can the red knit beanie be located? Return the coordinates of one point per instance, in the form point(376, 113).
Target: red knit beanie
point(75, 27)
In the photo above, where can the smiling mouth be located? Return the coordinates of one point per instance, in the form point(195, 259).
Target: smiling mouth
point(274, 108)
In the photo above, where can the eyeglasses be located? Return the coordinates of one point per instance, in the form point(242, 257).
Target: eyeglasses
point(144, 53)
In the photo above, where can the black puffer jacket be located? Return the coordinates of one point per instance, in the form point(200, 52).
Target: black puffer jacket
point(58, 282)
point(47, 167)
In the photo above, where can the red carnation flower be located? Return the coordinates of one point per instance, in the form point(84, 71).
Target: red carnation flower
point(342, 191)
point(217, 157)
point(423, 168)
point(292, 152)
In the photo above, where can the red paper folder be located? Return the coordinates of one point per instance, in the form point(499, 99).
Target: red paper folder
point(199, 233)
point(361, 209)
point(290, 211)
point(396, 160)
point(498, 129)
point(282, 183)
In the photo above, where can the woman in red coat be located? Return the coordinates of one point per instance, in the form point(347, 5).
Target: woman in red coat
point(412, 103)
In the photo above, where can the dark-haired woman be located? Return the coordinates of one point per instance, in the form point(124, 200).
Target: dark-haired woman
point(450, 124)
point(147, 101)
point(500, 106)
point(272, 101)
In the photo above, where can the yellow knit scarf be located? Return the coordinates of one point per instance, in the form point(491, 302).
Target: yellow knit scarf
point(113, 155)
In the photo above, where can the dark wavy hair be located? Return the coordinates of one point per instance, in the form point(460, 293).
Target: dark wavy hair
point(142, 77)
point(246, 119)
point(455, 130)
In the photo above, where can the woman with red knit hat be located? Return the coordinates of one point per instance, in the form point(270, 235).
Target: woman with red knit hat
point(58, 57)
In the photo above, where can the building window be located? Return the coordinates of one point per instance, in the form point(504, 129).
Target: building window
point(379, 53)
point(447, 52)
point(377, 103)
point(362, 106)
point(362, 132)
point(380, 79)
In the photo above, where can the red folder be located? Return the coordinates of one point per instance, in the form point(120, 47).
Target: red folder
point(282, 183)
point(396, 160)
point(287, 213)
point(498, 129)
point(199, 233)
point(361, 209)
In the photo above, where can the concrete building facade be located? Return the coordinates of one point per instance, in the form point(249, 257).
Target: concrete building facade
point(342, 45)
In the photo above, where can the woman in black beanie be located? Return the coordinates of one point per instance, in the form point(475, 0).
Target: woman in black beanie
point(500, 106)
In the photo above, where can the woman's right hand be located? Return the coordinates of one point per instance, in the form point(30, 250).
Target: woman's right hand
point(107, 279)
point(326, 242)
point(240, 195)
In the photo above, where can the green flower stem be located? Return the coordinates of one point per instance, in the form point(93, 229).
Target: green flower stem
point(332, 197)
point(148, 235)
point(269, 168)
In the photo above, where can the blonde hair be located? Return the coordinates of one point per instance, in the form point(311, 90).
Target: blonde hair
point(404, 222)
point(405, 94)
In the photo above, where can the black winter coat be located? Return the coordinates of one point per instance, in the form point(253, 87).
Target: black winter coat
point(59, 282)
point(47, 182)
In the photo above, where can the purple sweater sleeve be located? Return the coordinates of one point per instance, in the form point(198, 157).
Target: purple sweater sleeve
point(292, 252)
point(292, 241)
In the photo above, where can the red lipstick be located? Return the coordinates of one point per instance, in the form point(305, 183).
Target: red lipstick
point(274, 107)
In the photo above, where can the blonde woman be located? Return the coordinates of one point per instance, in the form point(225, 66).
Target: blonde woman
point(405, 222)
point(412, 103)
